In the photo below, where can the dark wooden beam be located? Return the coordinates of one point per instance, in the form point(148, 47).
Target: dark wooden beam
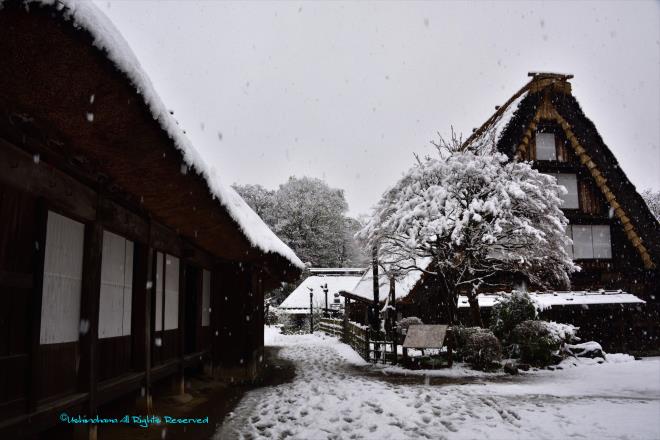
point(143, 287)
point(41, 224)
point(89, 313)
point(181, 340)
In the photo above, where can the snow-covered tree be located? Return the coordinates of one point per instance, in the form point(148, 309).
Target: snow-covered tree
point(309, 216)
point(467, 215)
point(260, 200)
point(353, 255)
point(652, 199)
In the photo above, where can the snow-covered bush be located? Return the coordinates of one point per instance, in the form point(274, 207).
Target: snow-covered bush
point(562, 333)
point(539, 341)
point(405, 323)
point(273, 316)
point(510, 311)
point(298, 324)
point(477, 346)
point(483, 350)
point(589, 349)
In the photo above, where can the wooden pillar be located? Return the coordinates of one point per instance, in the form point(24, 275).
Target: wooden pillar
point(347, 303)
point(180, 382)
point(41, 224)
point(141, 317)
point(214, 316)
point(89, 317)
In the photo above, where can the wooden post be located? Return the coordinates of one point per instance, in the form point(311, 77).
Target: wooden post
point(325, 291)
point(180, 385)
point(367, 348)
point(375, 319)
point(376, 287)
point(141, 318)
point(345, 334)
point(311, 311)
point(216, 301)
point(89, 316)
point(392, 318)
point(41, 224)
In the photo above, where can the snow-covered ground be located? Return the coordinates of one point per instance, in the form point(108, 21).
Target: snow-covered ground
point(332, 399)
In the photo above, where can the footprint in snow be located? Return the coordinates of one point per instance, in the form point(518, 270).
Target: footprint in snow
point(448, 425)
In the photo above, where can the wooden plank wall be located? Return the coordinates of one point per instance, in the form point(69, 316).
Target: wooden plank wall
point(32, 373)
point(17, 237)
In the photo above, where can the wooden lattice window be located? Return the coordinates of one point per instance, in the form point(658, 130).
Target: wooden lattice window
point(116, 286)
point(62, 285)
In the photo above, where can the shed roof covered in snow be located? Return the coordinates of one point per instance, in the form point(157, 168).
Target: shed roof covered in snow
point(357, 271)
point(546, 300)
point(76, 82)
point(403, 285)
point(298, 300)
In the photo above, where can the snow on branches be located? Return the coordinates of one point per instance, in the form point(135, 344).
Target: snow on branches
point(473, 214)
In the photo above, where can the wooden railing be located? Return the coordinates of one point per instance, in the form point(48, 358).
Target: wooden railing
point(371, 346)
point(332, 326)
point(357, 336)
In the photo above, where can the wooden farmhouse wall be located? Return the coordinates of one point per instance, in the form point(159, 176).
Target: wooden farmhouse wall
point(99, 300)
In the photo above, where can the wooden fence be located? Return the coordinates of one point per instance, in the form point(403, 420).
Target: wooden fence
point(371, 346)
point(332, 326)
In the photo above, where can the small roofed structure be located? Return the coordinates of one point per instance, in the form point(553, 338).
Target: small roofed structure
point(425, 336)
point(298, 301)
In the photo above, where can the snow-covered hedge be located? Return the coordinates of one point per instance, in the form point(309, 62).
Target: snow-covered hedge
point(539, 341)
point(510, 311)
point(477, 346)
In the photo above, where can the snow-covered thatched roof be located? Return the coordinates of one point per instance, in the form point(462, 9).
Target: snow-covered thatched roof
point(299, 298)
point(548, 97)
point(85, 15)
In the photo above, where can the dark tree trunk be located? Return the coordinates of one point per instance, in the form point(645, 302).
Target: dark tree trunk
point(475, 311)
point(447, 301)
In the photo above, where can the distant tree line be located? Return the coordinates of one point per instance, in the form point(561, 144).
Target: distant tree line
point(310, 217)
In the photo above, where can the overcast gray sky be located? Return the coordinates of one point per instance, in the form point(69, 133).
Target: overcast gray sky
point(349, 91)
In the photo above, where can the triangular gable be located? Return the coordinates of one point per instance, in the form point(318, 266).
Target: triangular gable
point(548, 98)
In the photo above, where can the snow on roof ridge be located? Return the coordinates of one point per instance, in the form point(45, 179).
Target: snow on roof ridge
point(86, 15)
point(501, 117)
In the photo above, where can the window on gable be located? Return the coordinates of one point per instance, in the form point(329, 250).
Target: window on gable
point(571, 198)
point(600, 235)
point(545, 146)
point(590, 242)
point(569, 181)
point(569, 248)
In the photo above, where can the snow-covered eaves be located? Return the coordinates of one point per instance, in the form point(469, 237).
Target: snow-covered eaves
point(545, 300)
point(85, 15)
point(358, 271)
point(299, 298)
